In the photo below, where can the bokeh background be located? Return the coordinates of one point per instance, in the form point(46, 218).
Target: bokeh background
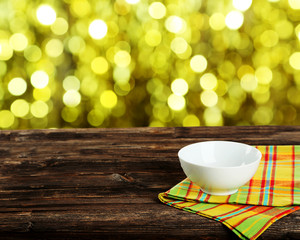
point(125, 63)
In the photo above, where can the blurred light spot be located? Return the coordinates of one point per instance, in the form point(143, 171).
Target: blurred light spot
point(72, 98)
point(122, 58)
point(20, 108)
point(284, 28)
point(17, 86)
point(249, 82)
point(80, 8)
point(69, 114)
point(76, 44)
point(95, 117)
point(6, 51)
point(121, 75)
point(54, 48)
point(222, 88)
point(269, 38)
point(263, 75)
point(209, 98)
point(18, 41)
point(198, 63)
point(191, 121)
point(175, 24)
point(294, 60)
point(208, 81)
point(98, 29)
point(242, 5)
point(43, 94)
point(122, 89)
point(153, 38)
point(33, 53)
point(179, 45)
point(157, 10)
point(176, 102)
point(293, 95)
point(6, 119)
point(71, 83)
point(217, 21)
point(213, 116)
point(108, 99)
point(89, 86)
point(39, 109)
point(132, 1)
point(179, 87)
point(297, 31)
point(45, 14)
point(99, 65)
point(234, 20)
point(244, 69)
point(262, 116)
point(60, 26)
point(39, 79)
point(294, 4)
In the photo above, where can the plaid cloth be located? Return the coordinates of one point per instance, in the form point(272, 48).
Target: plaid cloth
point(272, 193)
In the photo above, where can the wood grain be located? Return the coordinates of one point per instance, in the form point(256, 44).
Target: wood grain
point(103, 183)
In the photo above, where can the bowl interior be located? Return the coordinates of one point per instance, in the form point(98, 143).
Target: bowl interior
point(219, 154)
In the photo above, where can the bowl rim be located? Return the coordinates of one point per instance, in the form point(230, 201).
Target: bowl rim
point(220, 167)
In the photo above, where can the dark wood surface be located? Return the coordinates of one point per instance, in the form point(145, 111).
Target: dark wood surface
point(103, 183)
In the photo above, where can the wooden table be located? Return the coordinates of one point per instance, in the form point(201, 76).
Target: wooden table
point(103, 183)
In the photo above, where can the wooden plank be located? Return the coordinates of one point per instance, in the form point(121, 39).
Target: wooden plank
point(85, 183)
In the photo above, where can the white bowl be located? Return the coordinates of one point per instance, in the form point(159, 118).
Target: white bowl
point(219, 167)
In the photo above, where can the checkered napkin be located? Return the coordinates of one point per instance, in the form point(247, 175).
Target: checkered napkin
point(271, 194)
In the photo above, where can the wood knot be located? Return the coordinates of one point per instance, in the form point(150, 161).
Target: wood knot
point(124, 177)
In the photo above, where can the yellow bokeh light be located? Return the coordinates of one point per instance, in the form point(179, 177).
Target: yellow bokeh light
point(294, 60)
point(121, 75)
point(6, 119)
point(17, 86)
point(98, 29)
point(18, 41)
point(72, 98)
point(76, 44)
point(242, 5)
point(198, 63)
point(217, 21)
point(60, 26)
point(54, 48)
point(234, 20)
point(99, 65)
point(249, 82)
point(6, 51)
point(108, 99)
point(284, 28)
point(80, 8)
point(71, 83)
point(269, 38)
point(33, 53)
point(294, 4)
point(122, 58)
point(297, 31)
point(39, 109)
point(179, 45)
point(213, 116)
point(69, 114)
point(208, 81)
point(20, 108)
point(45, 14)
point(179, 87)
point(191, 120)
point(157, 10)
point(95, 117)
point(264, 75)
point(209, 98)
point(132, 1)
point(176, 102)
point(43, 94)
point(175, 24)
point(39, 79)
point(153, 38)
point(262, 116)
